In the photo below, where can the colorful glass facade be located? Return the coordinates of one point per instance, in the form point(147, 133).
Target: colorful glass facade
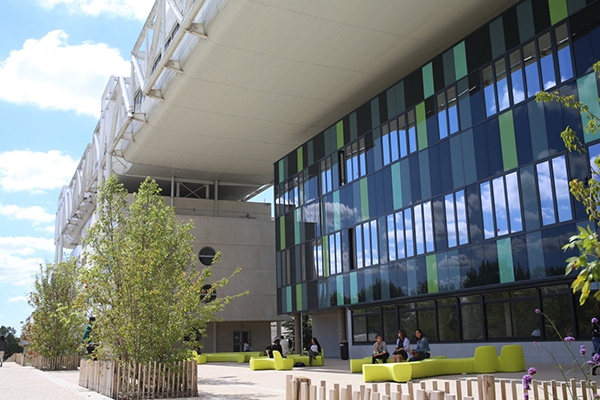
point(443, 202)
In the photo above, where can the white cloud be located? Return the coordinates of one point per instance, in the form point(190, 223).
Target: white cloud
point(136, 9)
point(25, 246)
point(52, 74)
point(35, 213)
point(35, 172)
point(18, 263)
point(17, 299)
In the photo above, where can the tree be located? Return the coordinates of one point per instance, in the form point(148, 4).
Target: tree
point(140, 280)
point(588, 193)
point(56, 325)
point(13, 341)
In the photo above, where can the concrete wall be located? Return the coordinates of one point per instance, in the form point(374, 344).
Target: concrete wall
point(325, 329)
point(219, 335)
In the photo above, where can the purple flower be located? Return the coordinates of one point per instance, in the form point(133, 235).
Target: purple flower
point(526, 386)
point(537, 311)
point(569, 339)
point(531, 371)
point(596, 395)
point(526, 396)
point(596, 358)
point(527, 379)
point(594, 320)
point(590, 362)
point(582, 349)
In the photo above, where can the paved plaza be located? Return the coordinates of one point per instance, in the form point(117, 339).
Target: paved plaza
point(220, 381)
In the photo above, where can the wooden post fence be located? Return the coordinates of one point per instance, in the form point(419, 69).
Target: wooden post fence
point(485, 387)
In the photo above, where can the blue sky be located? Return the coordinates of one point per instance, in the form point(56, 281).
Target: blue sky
point(56, 57)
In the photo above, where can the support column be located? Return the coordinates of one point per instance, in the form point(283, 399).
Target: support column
point(341, 317)
point(172, 190)
point(216, 198)
point(298, 333)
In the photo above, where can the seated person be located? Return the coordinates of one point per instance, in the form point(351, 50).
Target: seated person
point(380, 350)
point(247, 346)
point(274, 347)
point(402, 347)
point(422, 350)
point(314, 350)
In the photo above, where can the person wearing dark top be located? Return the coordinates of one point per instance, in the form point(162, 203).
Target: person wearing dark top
point(275, 347)
point(313, 350)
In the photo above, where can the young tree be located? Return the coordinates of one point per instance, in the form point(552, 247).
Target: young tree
point(55, 327)
point(588, 193)
point(141, 282)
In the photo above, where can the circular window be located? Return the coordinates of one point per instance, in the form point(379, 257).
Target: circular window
point(205, 296)
point(206, 255)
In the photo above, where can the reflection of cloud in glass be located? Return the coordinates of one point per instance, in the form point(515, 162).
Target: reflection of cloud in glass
point(545, 193)
point(330, 208)
point(514, 202)
point(549, 84)
point(461, 218)
point(503, 95)
point(486, 210)
point(561, 187)
point(500, 206)
point(450, 224)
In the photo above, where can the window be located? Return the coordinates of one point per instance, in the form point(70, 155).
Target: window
point(532, 76)
point(553, 185)
point(563, 49)
point(501, 206)
point(516, 77)
point(206, 255)
point(546, 61)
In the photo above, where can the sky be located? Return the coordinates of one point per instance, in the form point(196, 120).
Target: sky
point(56, 57)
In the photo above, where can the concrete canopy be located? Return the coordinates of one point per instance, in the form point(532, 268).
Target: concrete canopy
point(273, 73)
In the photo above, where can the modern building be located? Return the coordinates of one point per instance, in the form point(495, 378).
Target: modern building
point(443, 201)
point(417, 182)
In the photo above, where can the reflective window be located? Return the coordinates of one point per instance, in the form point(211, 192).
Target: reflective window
point(391, 236)
point(367, 244)
point(546, 61)
point(419, 239)
point(385, 144)
point(472, 318)
point(561, 187)
point(332, 254)
point(546, 193)
point(516, 77)
point(394, 146)
point(326, 176)
point(514, 202)
point(487, 211)
point(399, 217)
point(450, 221)
point(502, 84)
point(451, 101)
point(412, 131)
point(500, 206)
point(402, 136)
point(358, 237)
point(374, 243)
point(408, 230)
point(489, 91)
point(442, 117)
point(429, 236)
point(318, 255)
point(532, 76)
point(338, 253)
point(565, 65)
point(461, 218)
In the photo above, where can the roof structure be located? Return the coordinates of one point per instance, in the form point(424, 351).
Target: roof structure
point(221, 89)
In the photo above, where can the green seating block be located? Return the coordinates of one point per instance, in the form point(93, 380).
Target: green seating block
point(317, 361)
point(282, 364)
point(357, 363)
point(512, 358)
point(485, 360)
point(398, 372)
point(261, 363)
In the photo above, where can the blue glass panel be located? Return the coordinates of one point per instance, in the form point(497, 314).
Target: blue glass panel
point(547, 61)
point(489, 91)
point(502, 85)
point(394, 147)
point(428, 219)
point(360, 262)
point(391, 236)
point(565, 65)
point(419, 229)
point(385, 144)
point(450, 220)
point(516, 77)
point(532, 76)
point(367, 244)
point(546, 194)
point(487, 211)
point(399, 217)
point(408, 233)
point(500, 206)
point(374, 242)
point(442, 126)
point(452, 108)
point(461, 218)
point(561, 187)
point(514, 202)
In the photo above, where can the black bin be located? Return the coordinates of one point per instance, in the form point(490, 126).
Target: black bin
point(344, 353)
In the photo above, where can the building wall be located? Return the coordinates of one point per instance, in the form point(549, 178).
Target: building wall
point(219, 335)
point(326, 331)
point(443, 203)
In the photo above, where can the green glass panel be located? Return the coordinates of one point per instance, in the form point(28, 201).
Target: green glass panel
point(460, 60)
point(558, 10)
point(282, 232)
point(397, 186)
point(432, 274)
point(300, 157)
point(588, 95)
point(325, 256)
point(299, 297)
point(281, 177)
point(353, 287)
point(337, 221)
point(364, 199)
point(508, 141)
point(339, 130)
point(505, 260)
point(427, 73)
point(297, 219)
point(421, 125)
point(339, 280)
point(288, 298)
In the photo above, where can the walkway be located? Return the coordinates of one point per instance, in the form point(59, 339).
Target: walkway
point(217, 381)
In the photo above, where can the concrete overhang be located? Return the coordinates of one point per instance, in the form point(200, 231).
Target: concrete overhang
point(273, 73)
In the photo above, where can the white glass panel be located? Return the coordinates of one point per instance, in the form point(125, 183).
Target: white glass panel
point(461, 218)
point(450, 220)
point(500, 206)
point(429, 236)
point(419, 240)
point(561, 186)
point(514, 202)
point(400, 235)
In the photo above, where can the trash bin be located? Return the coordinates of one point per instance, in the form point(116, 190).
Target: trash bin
point(344, 350)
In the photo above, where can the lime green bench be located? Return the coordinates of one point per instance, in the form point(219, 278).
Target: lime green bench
point(226, 357)
point(485, 360)
point(277, 362)
point(318, 360)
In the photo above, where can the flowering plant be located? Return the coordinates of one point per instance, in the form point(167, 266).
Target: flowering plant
point(590, 364)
